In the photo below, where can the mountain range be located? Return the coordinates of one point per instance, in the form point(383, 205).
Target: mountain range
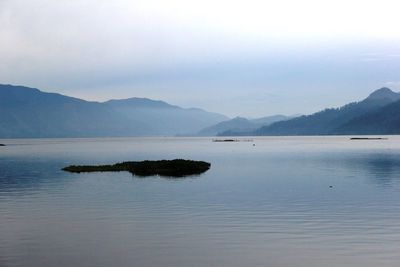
point(379, 113)
point(28, 112)
point(240, 125)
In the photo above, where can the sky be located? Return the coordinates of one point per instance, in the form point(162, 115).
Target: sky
point(241, 58)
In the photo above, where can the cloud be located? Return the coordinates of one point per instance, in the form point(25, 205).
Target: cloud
point(394, 84)
point(189, 51)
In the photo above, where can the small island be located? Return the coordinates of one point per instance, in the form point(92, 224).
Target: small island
point(368, 138)
point(225, 140)
point(170, 168)
point(2, 145)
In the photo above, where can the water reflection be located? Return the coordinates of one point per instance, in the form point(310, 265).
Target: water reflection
point(385, 168)
point(380, 168)
point(257, 206)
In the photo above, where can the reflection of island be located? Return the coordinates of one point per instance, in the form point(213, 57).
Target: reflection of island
point(171, 168)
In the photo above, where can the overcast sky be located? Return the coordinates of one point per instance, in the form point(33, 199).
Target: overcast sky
point(249, 58)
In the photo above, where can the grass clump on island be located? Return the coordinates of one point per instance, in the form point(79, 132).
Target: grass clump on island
point(171, 168)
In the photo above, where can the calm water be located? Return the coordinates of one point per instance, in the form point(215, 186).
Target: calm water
point(265, 205)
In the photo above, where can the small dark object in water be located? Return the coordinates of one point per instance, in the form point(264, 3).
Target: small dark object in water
point(331, 186)
point(171, 168)
point(368, 138)
point(2, 145)
point(232, 140)
point(225, 140)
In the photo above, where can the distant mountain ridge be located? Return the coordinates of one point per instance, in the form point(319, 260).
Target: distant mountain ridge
point(385, 120)
point(139, 103)
point(240, 125)
point(384, 93)
point(381, 109)
point(29, 112)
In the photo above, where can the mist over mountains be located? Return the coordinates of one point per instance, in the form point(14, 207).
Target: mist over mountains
point(28, 112)
point(240, 125)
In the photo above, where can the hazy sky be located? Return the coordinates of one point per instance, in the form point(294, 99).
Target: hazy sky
point(249, 58)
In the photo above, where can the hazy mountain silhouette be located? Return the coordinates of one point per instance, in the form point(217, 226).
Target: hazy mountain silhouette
point(385, 94)
point(28, 112)
point(240, 125)
point(385, 120)
point(164, 119)
point(378, 109)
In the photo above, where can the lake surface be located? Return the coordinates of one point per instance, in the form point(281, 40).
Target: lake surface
point(287, 201)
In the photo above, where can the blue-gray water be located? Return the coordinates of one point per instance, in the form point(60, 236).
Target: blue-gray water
point(265, 205)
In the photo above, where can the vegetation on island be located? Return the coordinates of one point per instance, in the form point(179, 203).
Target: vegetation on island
point(171, 168)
